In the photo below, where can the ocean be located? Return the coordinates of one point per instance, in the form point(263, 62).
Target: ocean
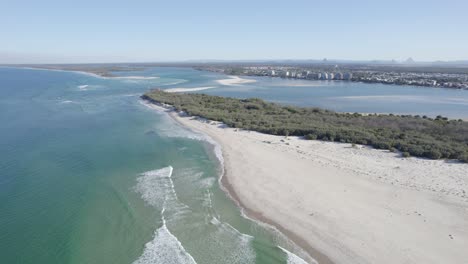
point(90, 174)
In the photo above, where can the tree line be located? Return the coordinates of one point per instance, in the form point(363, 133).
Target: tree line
point(434, 138)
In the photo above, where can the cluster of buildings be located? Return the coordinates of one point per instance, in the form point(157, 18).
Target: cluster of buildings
point(297, 73)
point(310, 75)
point(359, 73)
point(445, 80)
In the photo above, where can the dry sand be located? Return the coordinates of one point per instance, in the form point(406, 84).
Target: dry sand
point(347, 204)
point(193, 89)
point(235, 80)
point(344, 204)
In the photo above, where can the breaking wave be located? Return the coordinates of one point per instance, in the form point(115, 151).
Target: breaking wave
point(184, 132)
point(164, 248)
point(241, 250)
point(294, 259)
point(157, 189)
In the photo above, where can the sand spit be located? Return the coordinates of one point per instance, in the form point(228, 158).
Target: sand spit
point(235, 80)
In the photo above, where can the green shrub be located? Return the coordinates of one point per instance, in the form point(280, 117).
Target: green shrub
point(419, 137)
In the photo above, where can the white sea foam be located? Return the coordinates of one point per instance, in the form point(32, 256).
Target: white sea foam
point(207, 201)
point(206, 183)
point(294, 259)
point(282, 239)
point(187, 133)
point(87, 87)
point(153, 185)
point(184, 132)
point(157, 189)
point(66, 102)
point(215, 221)
point(229, 228)
point(237, 246)
point(164, 248)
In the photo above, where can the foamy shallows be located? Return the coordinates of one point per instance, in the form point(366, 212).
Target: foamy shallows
point(237, 246)
point(294, 259)
point(164, 248)
point(157, 189)
point(169, 130)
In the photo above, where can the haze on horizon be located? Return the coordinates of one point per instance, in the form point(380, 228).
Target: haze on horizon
point(53, 31)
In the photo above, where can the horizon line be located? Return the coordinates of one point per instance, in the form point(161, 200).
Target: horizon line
point(408, 61)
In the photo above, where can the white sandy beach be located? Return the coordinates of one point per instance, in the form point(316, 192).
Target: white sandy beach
point(232, 80)
point(194, 89)
point(235, 80)
point(353, 205)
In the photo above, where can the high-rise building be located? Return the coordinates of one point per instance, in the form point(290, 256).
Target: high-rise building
point(347, 76)
point(338, 76)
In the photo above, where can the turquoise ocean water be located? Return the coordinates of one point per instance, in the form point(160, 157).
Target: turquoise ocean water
point(89, 174)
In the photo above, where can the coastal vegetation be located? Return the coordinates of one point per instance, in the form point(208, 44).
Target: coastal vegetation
point(419, 136)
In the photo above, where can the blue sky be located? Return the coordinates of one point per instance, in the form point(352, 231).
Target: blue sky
point(52, 31)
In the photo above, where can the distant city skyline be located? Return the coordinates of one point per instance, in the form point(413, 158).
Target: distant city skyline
point(53, 31)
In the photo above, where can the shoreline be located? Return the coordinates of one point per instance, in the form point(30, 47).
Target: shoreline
point(234, 80)
point(95, 74)
point(313, 255)
point(342, 80)
point(415, 190)
point(193, 89)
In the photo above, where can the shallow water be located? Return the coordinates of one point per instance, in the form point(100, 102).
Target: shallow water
point(346, 96)
point(341, 96)
point(89, 174)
